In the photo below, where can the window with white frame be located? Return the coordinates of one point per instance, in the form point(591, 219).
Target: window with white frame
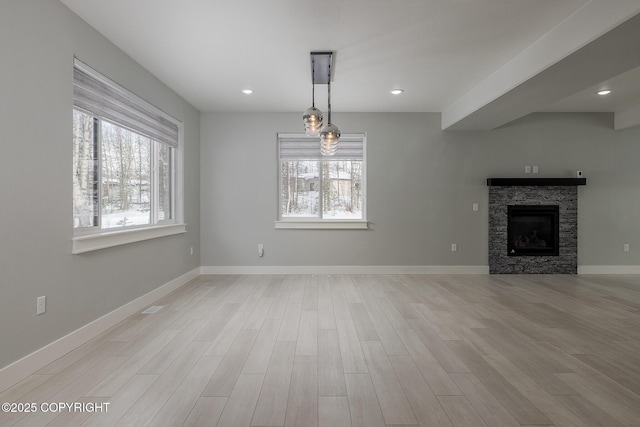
point(318, 189)
point(125, 158)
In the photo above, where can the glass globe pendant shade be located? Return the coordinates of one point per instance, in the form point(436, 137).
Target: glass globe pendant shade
point(312, 119)
point(329, 138)
point(328, 152)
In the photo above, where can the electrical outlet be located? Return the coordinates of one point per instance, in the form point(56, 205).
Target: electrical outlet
point(475, 207)
point(41, 305)
point(527, 169)
point(454, 247)
point(191, 251)
point(536, 169)
point(626, 247)
point(260, 249)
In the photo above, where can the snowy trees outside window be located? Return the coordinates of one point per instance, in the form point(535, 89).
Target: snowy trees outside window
point(125, 178)
point(324, 189)
point(313, 187)
point(85, 173)
point(120, 178)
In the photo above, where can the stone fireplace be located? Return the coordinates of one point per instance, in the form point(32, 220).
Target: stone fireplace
point(533, 225)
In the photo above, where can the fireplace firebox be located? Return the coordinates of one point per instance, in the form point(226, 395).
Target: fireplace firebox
point(533, 230)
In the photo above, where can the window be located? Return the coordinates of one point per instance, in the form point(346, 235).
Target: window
point(317, 191)
point(125, 163)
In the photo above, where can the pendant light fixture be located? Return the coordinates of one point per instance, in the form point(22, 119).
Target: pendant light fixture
point(329, 134)
point(312, 117)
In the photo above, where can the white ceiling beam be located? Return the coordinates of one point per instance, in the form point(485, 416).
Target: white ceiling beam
point(557, 65)
point(627, 118)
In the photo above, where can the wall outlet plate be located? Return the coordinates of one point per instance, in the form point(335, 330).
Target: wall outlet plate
point(41, 305)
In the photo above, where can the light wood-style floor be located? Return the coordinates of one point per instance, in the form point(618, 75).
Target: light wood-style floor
point(358, 350)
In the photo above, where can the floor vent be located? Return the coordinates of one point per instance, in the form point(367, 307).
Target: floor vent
point(153, 309)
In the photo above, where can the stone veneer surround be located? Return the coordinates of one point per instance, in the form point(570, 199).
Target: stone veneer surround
point(566, 197)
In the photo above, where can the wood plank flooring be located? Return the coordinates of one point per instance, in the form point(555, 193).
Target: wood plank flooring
point(359, 350)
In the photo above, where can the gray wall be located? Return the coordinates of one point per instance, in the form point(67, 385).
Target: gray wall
point(38, 40)
point(421, 185)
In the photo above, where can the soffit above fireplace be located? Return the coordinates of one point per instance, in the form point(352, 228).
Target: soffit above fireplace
point(528, 182)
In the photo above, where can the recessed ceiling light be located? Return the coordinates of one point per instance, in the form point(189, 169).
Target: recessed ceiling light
point(603, 92)
point(397, 91)
point(247, 91)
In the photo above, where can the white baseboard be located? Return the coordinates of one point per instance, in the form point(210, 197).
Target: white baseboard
point(609, 269)
point(394, 269)
point(37, 360)
point(348, 269)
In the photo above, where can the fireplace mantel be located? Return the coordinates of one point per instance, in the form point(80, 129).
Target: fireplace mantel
point(537, 182)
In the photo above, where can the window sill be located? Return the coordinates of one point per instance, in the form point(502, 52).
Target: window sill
point(322, 225)
point(94, 242)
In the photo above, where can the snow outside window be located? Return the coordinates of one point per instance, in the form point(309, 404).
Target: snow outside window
point(314, 188)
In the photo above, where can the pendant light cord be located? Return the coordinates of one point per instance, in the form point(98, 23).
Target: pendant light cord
point(313, 82)
point(329, 93)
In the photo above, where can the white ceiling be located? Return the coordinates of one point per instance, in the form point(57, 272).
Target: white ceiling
point(476, 61)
